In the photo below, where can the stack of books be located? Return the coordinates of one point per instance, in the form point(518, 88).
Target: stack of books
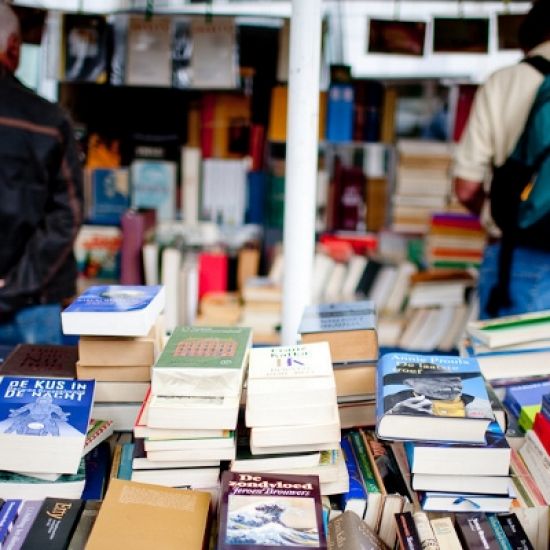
point(512, 346)
point(291, 410)
point(350, 330)
point(121, 333)
point(187, 423)
point(457, 454)
point(44, 425)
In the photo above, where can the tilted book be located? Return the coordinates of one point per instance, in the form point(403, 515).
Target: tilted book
point(43, 423)
point(348, 532)
point(431, 398)
point(265, 512)
point(114, 310)
point(202, 362)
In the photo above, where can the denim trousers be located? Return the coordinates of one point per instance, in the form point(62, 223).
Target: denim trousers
point(33, 325)
point(529, 280)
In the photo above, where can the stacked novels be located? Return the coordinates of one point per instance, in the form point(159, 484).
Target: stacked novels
point(422, 184)
point(187, 424)
point(512, 346)
point(457, 454)
point(120, 336)
point(454, 240)
point(43, 432)
point(291, 408)
point(350, 330)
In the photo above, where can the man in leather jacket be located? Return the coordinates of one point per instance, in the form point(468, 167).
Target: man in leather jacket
point(40, 203)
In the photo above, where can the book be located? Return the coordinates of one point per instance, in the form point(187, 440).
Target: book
point(475, 531)
point(109, 195)
point(54, 524)
point(492, 458)
point(25, 518)
point(121, 373)
point(97, 250)
point(537, 461)
point(98, 462)
point(514, 531)
point(38, 360)
point(464, 502)
point(348, 532)
point(136, 226)
point(270, 511)
point(145, 515)
point(356, 497)
point(202, 362)
point(85, 523)
point(407, 535)
point(524, 401)
point(348, 327)
point(425, 531)
point(98, 431)
point(431, 397)
point(445, 533)
point(8, 514)
point(114, 310)
point(43, 423)
point(123, 414)
point(511, 329)
point(489, 484)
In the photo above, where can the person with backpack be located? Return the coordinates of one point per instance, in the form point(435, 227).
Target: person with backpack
point(501, 172)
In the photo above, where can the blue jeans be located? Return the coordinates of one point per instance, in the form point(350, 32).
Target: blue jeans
point(529, 280)
point(33, 325)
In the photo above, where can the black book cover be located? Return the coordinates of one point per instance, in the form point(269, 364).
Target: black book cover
point(39, 360)
point(407, 535)
point(368, 277)
point(54, 525)
point(514, 532)
point(475, 531)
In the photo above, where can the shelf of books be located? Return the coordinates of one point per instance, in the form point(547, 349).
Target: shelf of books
point(196, 437)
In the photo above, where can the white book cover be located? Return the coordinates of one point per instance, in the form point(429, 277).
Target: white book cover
point(170, 274)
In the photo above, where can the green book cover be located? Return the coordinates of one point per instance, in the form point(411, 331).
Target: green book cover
point(205, 348)
point(365, 467)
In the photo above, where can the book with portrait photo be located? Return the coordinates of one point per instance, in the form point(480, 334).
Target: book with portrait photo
point(431, 398)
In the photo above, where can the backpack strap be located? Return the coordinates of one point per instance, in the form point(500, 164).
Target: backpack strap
point(539, 63)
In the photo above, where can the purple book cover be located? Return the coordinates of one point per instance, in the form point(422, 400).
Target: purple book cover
point(19, 532)
point(267, 512)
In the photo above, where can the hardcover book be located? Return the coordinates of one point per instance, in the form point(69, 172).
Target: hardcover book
point(54, 524)
point(431, 397)
point(266, 512)
point(27, 513)
point(514, 531)
point(202, 362)
point(407, 535)
point(8, 514)
point(144, 516)
point(114, 310)
point(109, 195)
point(43, 423)
point(348, 532)
point(38, 360)
point(475, 531)
point(525, 400)
point(348, 327)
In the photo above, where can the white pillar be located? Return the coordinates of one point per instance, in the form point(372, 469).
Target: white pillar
point(301, 162)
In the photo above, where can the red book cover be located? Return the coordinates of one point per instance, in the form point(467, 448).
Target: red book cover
point(542, 429)
point(257, 143)
point(208, 114)
point(463, 221)
point(466, 94)
point(136, 226)
point(213, 269)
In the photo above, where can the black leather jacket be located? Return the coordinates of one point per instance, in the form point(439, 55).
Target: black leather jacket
point(40, 199)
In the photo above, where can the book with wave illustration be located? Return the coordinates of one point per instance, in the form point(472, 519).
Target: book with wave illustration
point(265, 512)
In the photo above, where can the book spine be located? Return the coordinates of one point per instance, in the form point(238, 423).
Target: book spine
point(500, 535)
point(54, 525)
point(8, 513)
point(22, 526)
point(126, 459)
point(445, 534)
point(537, 462)
point(425, 531)
point(407, 534)
point(356, 489)
point(475, 532)
point(514, 532)
point(360, 453)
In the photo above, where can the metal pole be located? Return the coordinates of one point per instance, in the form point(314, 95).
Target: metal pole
point(301, 162)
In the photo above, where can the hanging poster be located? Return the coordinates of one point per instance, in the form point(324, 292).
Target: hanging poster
point(461, 35)
point(396, 37)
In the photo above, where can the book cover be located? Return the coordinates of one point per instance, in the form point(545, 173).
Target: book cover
point(340, 316)
point(38, 360)
point(119, 310)
point(98, 462)
point(348, 532)
point(43, 414)
point(525, 400)
point(8, 514)
point(355, 498)
point(340, 113)
point(97, 250)
point(475, 531)
point(98, 431)
point(137, 227)
point(407, 535)
point(514, 531)
point(202, 361)
point(27, 513)
point(54, 524)
point(431, 397)
point(110, 195)
point(270, 511)
point(154, 186)
point(143, 516)
point(445, 533)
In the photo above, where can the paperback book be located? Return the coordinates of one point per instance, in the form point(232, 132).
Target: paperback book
point(202, 362)
point(431, 397)
point(266, 512)
point(114, 310)
point(44, 423)
point(41, 360)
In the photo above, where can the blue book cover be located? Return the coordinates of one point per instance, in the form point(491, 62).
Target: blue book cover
point(45, 406)
point(357, 491)
point(97, 471)
point(526, 395)
point(126, 459)
point(256, 186)
point(419, 395)
point(154, 186)
point(110, 196)
point(546, 405)
point(114, 298)
point(8, 513)
point(340, 113)
point(27, 514)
